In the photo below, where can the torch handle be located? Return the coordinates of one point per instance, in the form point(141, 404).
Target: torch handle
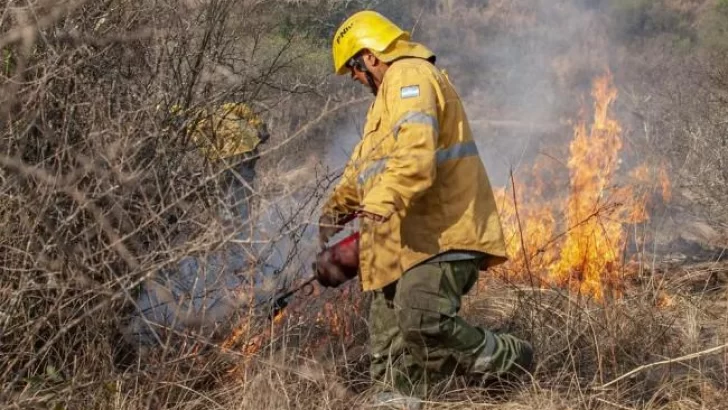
point(281, 303)
point(296, 289)
point(347, 218)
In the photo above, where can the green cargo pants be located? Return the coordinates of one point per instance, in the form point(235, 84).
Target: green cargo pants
point(417, 336)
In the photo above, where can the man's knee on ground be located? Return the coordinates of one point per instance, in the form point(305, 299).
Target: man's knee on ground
point(421, 327)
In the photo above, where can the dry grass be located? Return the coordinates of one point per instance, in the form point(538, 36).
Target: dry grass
point(99, 193)
point(582, 347)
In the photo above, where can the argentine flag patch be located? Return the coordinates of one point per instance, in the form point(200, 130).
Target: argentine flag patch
point(410, 91)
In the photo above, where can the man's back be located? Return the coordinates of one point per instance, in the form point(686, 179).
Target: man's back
point(418, 162)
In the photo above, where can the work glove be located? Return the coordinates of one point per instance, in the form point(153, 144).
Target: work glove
point(339, 263)
point(331, 273)
point(328, 227)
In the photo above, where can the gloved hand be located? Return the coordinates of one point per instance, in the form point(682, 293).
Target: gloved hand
point(338, 263)
point(330, 272)
point(328, 227)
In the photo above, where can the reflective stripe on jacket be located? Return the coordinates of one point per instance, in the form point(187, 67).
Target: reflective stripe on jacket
point(417, 164)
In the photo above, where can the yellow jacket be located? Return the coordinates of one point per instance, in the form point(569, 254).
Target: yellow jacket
point(417, 164)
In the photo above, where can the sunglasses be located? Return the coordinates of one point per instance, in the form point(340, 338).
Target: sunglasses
point(356, 62)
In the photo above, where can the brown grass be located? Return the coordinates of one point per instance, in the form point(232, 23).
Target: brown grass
point(99, 193)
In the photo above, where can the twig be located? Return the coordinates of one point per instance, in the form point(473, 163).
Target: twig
point(79, 38)
point(609, 403)
point(81, 199)
point(325, 112)
point(668, 361)
point(588, 218)
point(520, 230)
point(22, 32)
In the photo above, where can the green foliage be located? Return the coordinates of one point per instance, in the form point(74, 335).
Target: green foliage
point(314, 24)
point(638, 19)
point(714, 32)
point(320, 19)
point(7, 68)
point(316, 19)
point(722, 6)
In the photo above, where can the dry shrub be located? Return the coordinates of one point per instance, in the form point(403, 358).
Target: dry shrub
point(101, 191)
point(582, 346)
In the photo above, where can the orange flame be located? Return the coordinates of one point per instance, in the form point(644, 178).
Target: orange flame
point(335, 318)
point(585, 255)
point(665, 184)
point(251, 344)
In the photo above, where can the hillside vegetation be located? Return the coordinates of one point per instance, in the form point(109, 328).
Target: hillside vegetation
point(102, 189)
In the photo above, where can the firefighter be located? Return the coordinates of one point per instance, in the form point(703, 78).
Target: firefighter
point(229, 134)
point(428, 219)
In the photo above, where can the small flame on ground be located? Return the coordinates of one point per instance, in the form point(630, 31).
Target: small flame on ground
point(335, 319)
point(578, 242)
point(663, 300)
point(665, 184)
point(278, 318)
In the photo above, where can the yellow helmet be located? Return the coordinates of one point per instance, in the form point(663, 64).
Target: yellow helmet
point(364, 30)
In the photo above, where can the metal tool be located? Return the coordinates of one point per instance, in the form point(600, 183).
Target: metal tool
point(281, 302)
point(341, 257)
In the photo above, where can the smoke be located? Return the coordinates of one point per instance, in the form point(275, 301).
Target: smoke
point(520, 67)
point(273, 245)
point(524, 70)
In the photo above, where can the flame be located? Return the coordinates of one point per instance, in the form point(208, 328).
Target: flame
point(577, 242)
point(592, 243)
point(664, 300)
point(251, 344)
point(278, 318)
point(335, 319)
point(665, 184)
point(337, 323)
point(236, 335)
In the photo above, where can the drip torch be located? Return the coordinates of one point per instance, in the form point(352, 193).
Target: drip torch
point(340, 260)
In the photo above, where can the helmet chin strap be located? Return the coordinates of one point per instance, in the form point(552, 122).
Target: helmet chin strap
point(358, 63)
point(372, 86)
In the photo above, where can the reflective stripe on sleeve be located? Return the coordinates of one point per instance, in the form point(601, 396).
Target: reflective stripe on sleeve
point(456, 151)
point(374, 169)
point(415, 117)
